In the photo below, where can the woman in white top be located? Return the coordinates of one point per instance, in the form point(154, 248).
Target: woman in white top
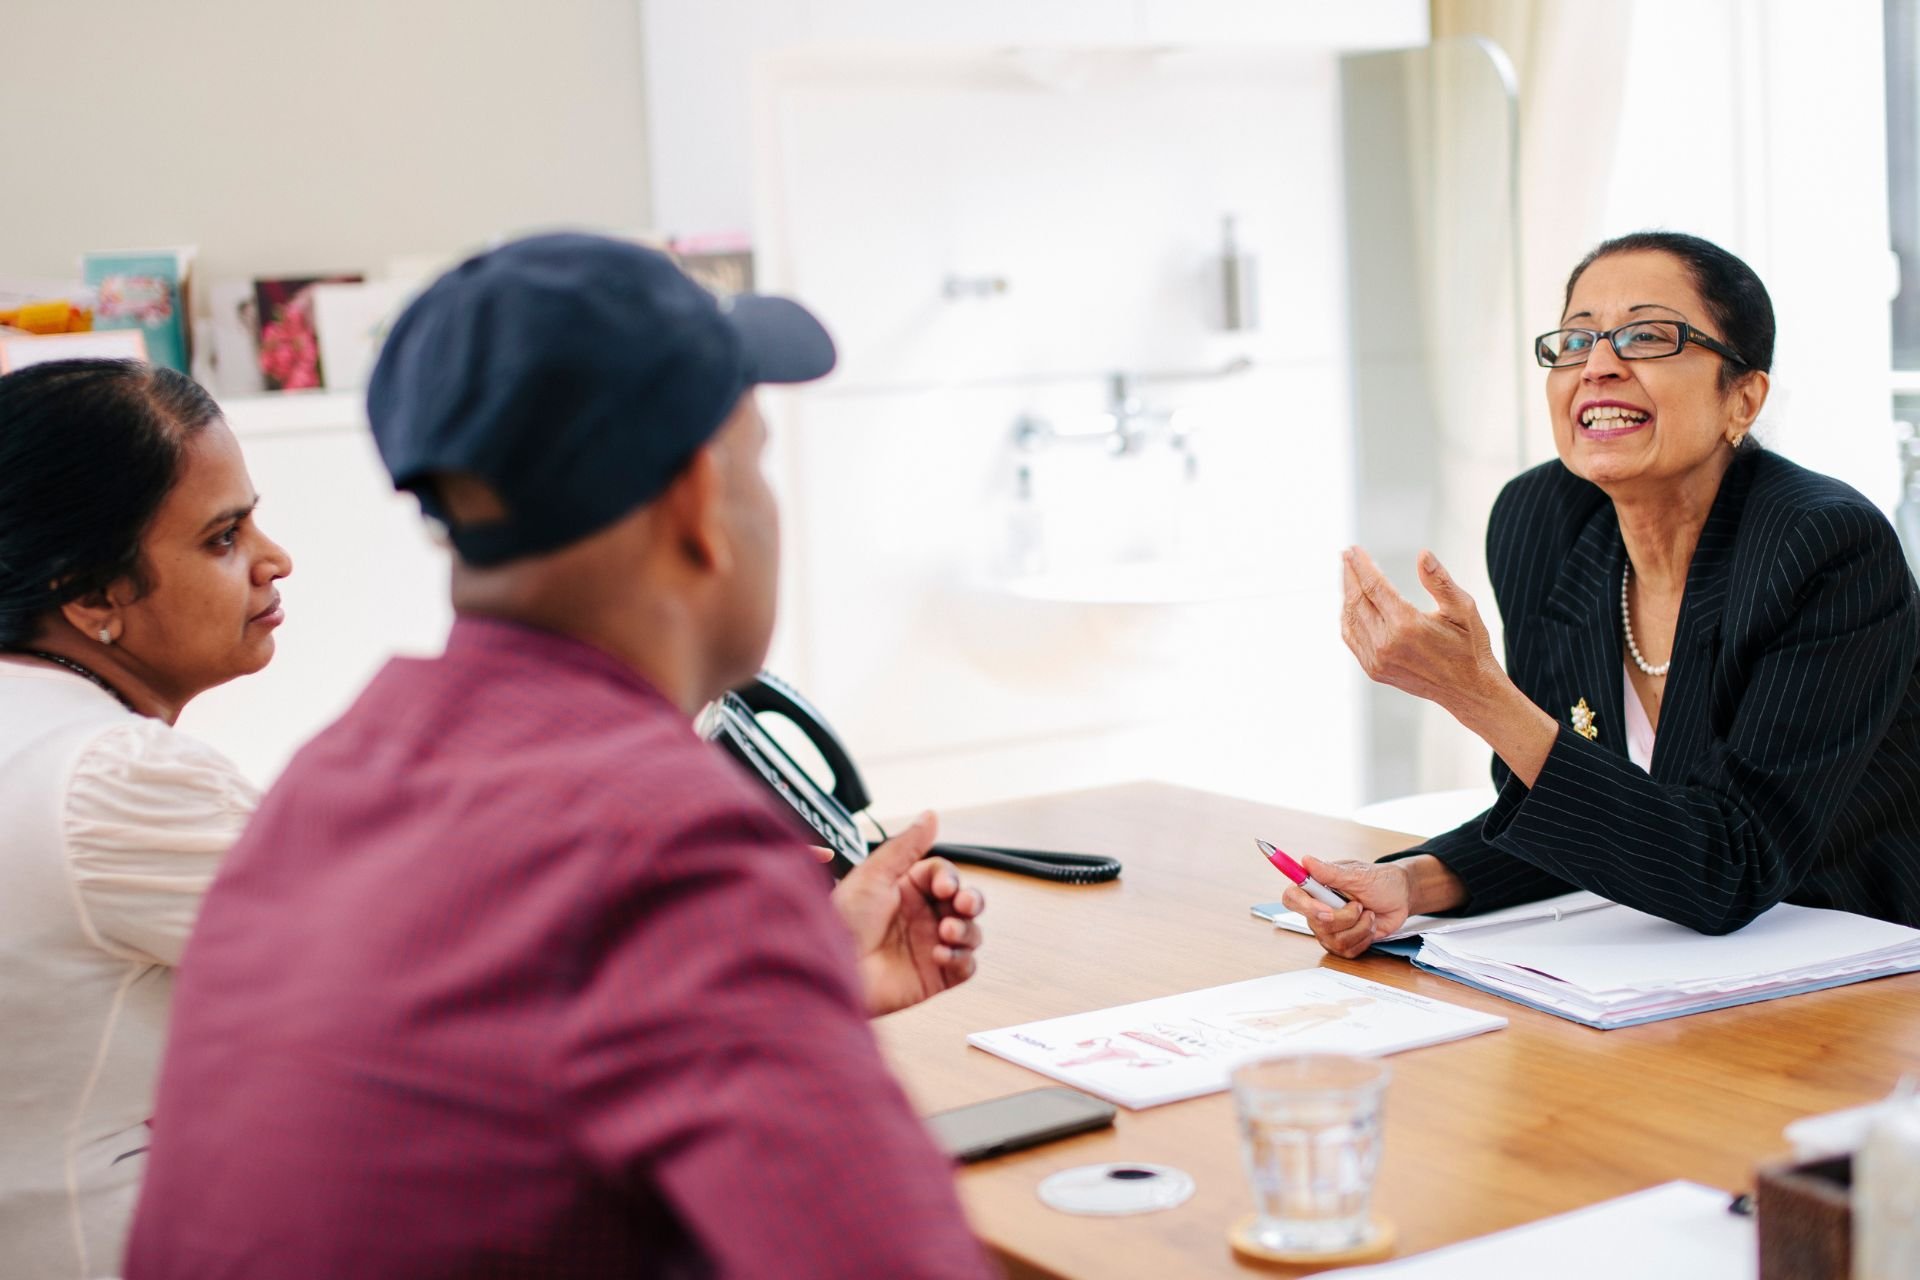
point(132, 577)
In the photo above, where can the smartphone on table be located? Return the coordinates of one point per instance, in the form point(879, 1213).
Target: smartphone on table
point(1018, 1120)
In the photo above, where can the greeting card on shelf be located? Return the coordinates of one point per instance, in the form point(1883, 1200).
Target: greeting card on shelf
point(289, 342)
point(352, 321)
point(722, 261)
point(148, 290)
point(231, 346)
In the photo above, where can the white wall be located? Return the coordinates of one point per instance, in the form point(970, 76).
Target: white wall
point(285, 138)
point(1093, 183)
point(700, 55)
point(1076, 148)
point(1047, 146)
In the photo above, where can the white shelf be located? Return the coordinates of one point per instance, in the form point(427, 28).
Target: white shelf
point(295, 413)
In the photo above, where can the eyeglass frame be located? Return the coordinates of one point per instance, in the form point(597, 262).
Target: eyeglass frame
point(1687, 334)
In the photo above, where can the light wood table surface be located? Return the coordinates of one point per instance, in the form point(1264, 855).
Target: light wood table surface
point(1481, 1134)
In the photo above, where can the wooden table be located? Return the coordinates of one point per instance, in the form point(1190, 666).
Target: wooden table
point(1481, 1134)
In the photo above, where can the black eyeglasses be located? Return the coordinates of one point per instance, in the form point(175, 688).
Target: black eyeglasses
point(1641, 340)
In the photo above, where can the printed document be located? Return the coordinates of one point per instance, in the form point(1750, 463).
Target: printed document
point(1141, 1055)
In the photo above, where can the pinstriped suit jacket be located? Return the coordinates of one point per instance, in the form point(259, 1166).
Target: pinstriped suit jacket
point(1787, 762)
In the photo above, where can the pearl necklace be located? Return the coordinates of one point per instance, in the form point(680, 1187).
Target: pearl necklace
point(1626, 625)
point(84, 672)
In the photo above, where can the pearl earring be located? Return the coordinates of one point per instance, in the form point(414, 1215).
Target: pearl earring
point(106, 636)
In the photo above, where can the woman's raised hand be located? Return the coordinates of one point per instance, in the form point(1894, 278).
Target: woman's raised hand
point(1444, 656)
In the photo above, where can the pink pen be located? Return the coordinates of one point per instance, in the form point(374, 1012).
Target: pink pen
point(1298, 874)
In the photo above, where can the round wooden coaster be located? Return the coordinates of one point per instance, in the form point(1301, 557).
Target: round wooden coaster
point(1378, 1244)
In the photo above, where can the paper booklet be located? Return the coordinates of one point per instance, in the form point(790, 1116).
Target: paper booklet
point(1679, 1231)
point(1155, 1051)
point(1567, 904)
point(1620, 967)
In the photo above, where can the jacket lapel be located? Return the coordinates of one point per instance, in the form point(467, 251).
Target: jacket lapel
point(1581, 659)
point(1683, 729)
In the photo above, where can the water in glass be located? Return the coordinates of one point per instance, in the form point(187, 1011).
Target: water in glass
point(1310, 1133)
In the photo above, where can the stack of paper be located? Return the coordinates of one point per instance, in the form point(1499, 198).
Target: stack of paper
point(1619, 967)
point(1155, 1051)
point(1567, 904)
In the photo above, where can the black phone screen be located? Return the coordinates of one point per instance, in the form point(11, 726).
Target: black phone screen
point(1017, 1120)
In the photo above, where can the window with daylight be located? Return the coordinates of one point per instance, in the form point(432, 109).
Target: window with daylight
point(1903, 218)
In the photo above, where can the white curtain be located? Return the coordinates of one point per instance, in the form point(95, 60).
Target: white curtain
point(1493, 264)
point(1569, 60)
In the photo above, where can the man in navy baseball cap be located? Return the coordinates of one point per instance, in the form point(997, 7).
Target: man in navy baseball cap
point(509, 955)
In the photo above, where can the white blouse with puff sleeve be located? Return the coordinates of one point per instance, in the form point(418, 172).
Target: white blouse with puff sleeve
point(111, 827)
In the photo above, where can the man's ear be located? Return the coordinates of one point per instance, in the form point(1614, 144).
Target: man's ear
point(466, 498)
point(692, 509)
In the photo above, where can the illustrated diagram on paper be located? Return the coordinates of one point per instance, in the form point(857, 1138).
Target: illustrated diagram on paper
point(1182, 1046)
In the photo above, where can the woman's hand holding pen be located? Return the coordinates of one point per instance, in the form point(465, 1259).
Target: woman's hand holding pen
point(1380, 896)
point(1377, 904)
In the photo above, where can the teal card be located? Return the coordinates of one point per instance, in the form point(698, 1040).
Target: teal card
point(142, 291)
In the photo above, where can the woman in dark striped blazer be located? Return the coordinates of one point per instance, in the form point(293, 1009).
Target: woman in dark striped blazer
point(1712, 695)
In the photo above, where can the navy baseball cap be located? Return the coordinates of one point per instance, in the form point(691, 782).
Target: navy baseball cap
point(576, 375)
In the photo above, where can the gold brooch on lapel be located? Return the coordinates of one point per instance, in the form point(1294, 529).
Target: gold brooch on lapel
point(1582, 717)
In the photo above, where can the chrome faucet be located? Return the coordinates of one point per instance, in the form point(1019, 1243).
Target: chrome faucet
point(1129, 423)
point(1132, 420)
point(1123, 429)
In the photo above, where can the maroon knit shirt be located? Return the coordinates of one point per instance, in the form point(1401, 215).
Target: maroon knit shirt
point(511, 976)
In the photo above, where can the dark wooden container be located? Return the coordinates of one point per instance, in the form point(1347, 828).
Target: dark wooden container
point(1806, 1220)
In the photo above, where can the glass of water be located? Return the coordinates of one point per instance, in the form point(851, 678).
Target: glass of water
point(1310, 1133)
